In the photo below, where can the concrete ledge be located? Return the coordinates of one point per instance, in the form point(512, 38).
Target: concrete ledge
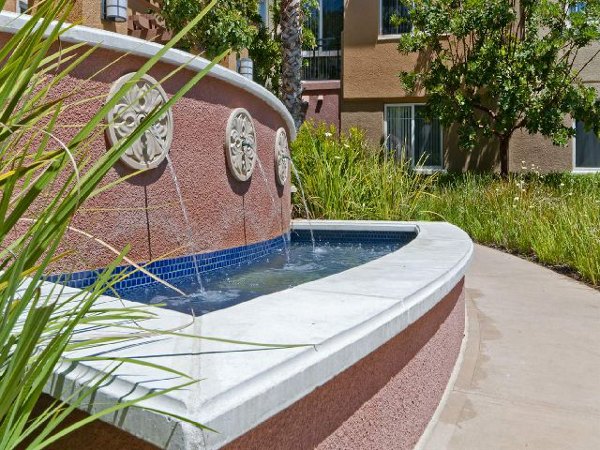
point(346, 317)
point(383, 401)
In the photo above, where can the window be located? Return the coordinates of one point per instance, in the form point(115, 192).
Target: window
point(409, 133)
point(587, 149)
point(390, 9)
point(326, 23)
point(21, 6)
point(323, 62)
point(263, 11)
point(577, 7)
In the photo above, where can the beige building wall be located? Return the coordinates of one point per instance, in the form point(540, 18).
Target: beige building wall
point(371, 64)
point(11, 5)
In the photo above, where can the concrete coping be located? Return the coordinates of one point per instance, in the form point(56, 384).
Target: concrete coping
point(344, 317)
point(11, 22)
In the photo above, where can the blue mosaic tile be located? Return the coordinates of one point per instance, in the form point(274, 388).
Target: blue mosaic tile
point(173, 268)
point(353, 236)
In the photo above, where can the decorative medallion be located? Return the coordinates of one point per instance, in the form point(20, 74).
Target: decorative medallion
point(282, 156)
point(240, 144)
point(148, 151)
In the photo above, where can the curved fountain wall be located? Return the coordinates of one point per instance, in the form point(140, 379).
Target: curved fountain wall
point(145, 211)
point(399, 317)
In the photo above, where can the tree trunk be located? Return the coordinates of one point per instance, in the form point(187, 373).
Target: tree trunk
point(291, 40)
point(504, 159)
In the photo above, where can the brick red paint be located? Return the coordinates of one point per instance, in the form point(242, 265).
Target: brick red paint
point(327, 110)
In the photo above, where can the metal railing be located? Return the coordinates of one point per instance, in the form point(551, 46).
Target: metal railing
point(323, 62)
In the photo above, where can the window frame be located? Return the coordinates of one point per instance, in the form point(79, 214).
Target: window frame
point(424, 169)
point(18, 8)
point(381, 35)
point(576, 169)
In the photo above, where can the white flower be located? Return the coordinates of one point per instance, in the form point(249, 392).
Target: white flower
point(516, 199)
point(328, 134)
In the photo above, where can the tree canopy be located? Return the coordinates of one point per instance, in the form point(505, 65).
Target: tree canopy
point(492, 67)
point(236, 25)
point(229, 24)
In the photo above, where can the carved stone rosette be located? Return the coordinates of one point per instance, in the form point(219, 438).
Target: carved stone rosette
point(139, 101)
point(282, 156)
point(240, 144)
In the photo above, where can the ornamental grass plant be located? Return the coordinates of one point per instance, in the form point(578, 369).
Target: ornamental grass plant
point(345, 178)
point(553, 219)
point(43, 183)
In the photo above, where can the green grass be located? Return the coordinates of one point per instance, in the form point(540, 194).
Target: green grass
point(553, 219)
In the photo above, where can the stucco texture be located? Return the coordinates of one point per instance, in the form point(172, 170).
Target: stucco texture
point(144, 211)
point(323, 102)
point(384, 401)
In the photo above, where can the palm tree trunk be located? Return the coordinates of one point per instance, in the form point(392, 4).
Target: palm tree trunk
point(290, 24)
point(504, 156)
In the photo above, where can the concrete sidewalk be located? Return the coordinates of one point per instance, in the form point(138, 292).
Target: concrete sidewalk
point(530, 375)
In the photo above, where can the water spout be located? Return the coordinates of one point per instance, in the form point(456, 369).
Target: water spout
point(272, 195)
point(191, 243)
point(299, 180)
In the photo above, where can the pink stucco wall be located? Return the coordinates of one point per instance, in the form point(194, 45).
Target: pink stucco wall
point(145, 212)
point(384, 401)
point(323, 101)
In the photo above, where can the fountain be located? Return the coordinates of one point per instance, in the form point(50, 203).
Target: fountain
point(304, 203)
point(382, 288)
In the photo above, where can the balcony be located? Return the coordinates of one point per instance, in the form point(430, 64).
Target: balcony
point(323, 62)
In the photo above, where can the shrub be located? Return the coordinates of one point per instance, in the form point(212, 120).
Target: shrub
point(554, 219)
point(345, 178)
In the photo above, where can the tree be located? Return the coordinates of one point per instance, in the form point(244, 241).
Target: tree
point(236, 24)
point(492, 67)
point(266, 50)
point(290, 23)
point(232, 24)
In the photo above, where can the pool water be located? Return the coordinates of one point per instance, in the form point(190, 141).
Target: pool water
point(284, 268)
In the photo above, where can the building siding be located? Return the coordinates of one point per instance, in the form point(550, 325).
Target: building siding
point(371, 64)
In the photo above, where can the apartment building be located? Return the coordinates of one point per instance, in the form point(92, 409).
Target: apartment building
point(351, 79)
point(363, 83)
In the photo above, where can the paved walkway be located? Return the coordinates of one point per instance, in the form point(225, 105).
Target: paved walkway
point(530, 377)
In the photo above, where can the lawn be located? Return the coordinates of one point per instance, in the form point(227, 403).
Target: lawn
point(553, 219)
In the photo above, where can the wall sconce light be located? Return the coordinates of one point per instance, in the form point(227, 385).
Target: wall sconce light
point(246, 68)
point(114, 10)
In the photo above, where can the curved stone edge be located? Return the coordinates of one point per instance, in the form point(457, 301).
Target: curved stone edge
point(242, 389)
point(12, 22)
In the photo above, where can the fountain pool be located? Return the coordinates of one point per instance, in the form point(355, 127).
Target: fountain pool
point(363, 325)
point(286, 349)
point(282, 268)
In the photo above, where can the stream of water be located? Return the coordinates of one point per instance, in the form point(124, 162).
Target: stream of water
point(188, 226)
